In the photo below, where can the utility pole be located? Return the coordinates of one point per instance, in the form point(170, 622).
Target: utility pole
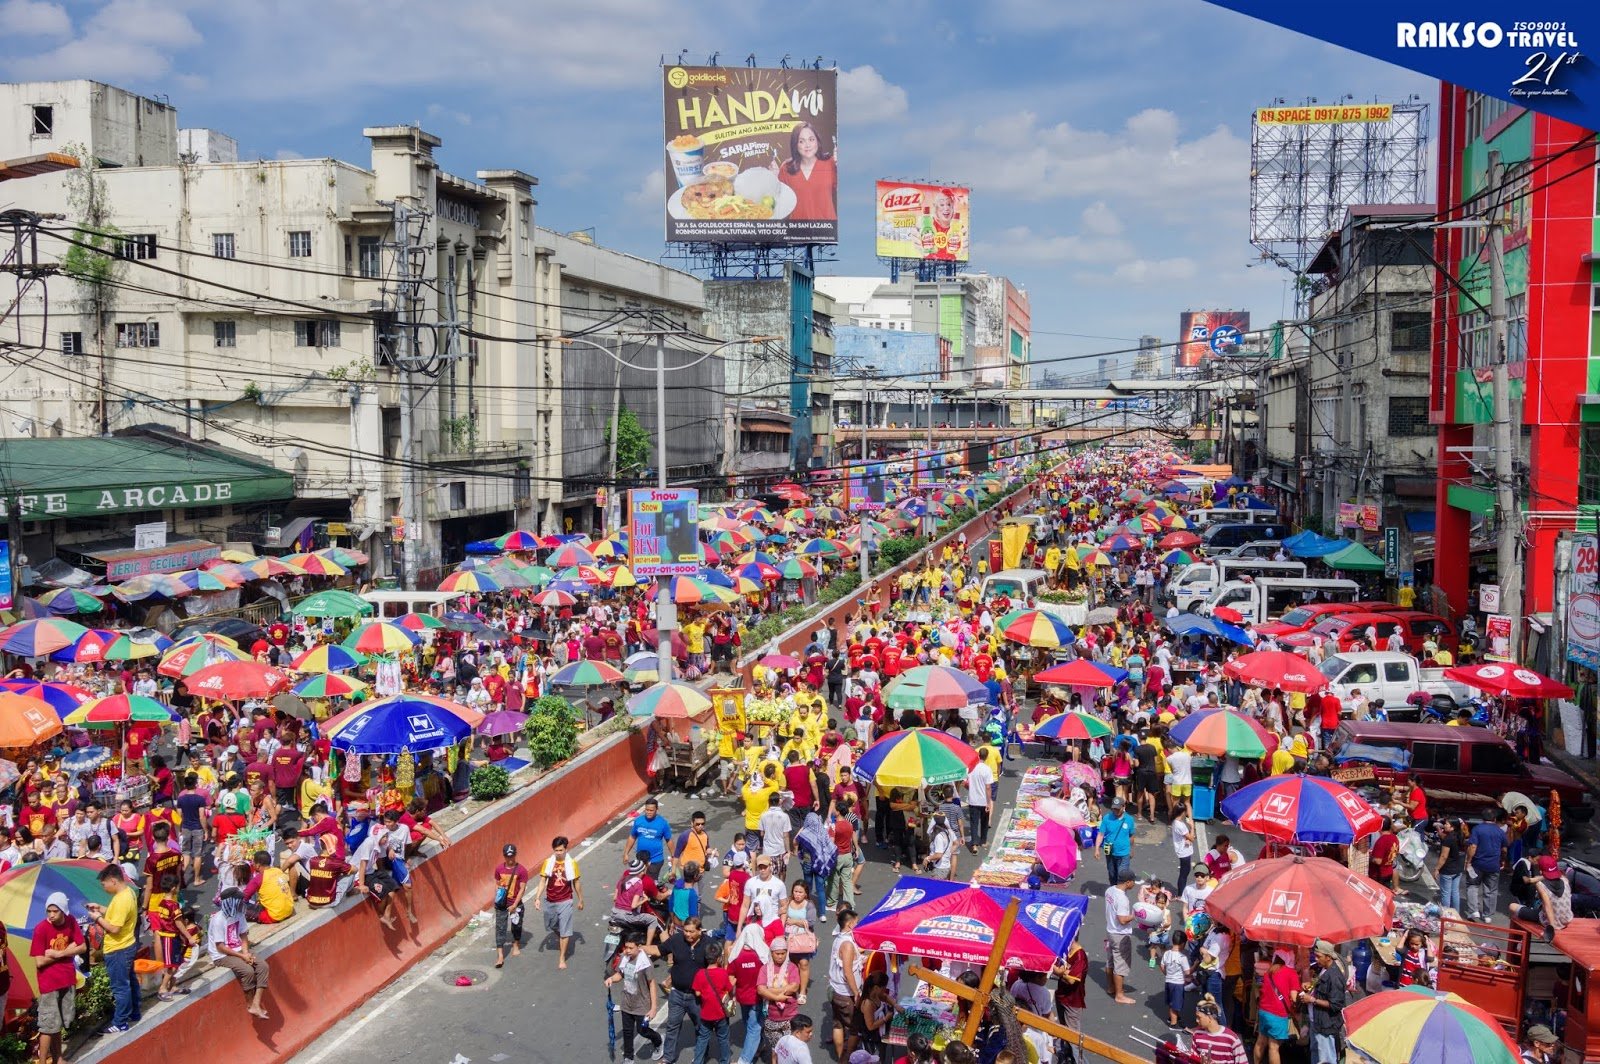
point(402, 302)
point(1507, 518)
point(666, 613)
point(608, 519)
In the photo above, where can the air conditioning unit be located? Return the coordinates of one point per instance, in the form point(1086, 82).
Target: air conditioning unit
point(272, 533)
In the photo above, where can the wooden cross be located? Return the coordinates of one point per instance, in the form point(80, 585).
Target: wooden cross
point(977, 999)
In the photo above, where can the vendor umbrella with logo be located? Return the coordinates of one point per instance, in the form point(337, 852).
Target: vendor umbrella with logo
point(1276, 669)
point(1297, 900)
point(956, 922)
point(1510, 681)
point(402, 722)
point(227, 680)
point(1302, 808)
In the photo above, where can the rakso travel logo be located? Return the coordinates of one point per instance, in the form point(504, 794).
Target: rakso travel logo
point(1550, 47)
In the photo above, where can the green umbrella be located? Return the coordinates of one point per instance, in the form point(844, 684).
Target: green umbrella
point(334, 602)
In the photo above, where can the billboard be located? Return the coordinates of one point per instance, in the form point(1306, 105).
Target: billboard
point(923, 221)
point(662, 525)
point(864, 488)
point(1210, 332)
point(750, 155)
point(1312, 116)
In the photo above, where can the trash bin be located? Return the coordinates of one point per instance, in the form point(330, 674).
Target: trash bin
point(1203, 803)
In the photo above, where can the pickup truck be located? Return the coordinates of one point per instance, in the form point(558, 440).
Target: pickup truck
point(1024, 586)
point(1392, 677)
point(1460, 769)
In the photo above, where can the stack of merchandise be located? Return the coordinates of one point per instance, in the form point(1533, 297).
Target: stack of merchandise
point(1010, 859)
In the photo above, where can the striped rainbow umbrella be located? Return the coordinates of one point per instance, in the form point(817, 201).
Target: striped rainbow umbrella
point(796, 569)
point(65, 600)
point(569, 554)
point(315, 565)
point(1418, 1025)
point(1072, 726)
point(471, 581)
point(203, 580)
point(418, 622)
point(23, 893)
point(1177, 557)
point(328, 685)
point(517, 540)
point(586, 674)
point(1035, 628)
point(553, 598)
point(610, 547)
point(103, 644)
point(621, 577)
point(931, 687)
point(381, 637)
point(37, 638)
point(326, 657)
point(266, 568)
point(918, 757)
point(668, 699)
point(344, 556)
point(1223, 733)
point(61, 697)
point(693, 591)
point(112, 710)
point(197, 652)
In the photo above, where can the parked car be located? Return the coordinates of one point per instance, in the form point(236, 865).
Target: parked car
point(1460, 768)
point(1258, 548)
point(1258, 599)
point(1349, 631)
point(1392, 677)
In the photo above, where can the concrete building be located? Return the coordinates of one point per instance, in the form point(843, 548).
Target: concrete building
point(580, 290)
point(1371, 448)
point(262, 306)
point(1151, 361)
point(948, 308)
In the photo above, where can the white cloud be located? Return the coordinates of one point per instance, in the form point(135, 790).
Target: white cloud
point(460, 118)
point(1101, 219)
point(1021, 244)
point(1155, 271)
point(123, 40)
point(866, 98)
point(648, 193)
point(34, 18)
point(287, 154)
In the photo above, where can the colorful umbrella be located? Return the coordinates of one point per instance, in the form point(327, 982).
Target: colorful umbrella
point(236, 679)
point(328, 685)
point(315, 565)
point(933, 687)
point(553, 598)
point(118, 709)
point(957, 922)
point(1302, 808)
point(344, 556)
point(503, 722)
point(758, 571)
point(268, 568)
point(1276, 669)
point(612, 547)
point(569, 554)
point(796, 569)
point(1512, 681)
point(586, 674)
point(381, 637)
point(61, 697)
point(325, 657)
point(196, 653)
point(1178, 540)
point(23, 891)
point(780, 661)
point(621, 577)
point(418, 622)
point(692, 591)
point(821, 547)
point(25, 721)
point(1079, 672)
point(642, 667)
point(65, 600)
point(1121, 541)
point(518, 540)
point(668, 700)
point(1035, 628)
point(230, 571)
point(1057, 849)
point(470, 581)
point(103, 644)
point(1224, 733)
point(1418, 1025)
point(1177, 558)
point(37, 638)
point(1296, 900)
point(917, 757)
point(1065, 726)
point(203, 580)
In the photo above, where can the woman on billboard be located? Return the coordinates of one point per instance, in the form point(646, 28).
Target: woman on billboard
point(811, 174)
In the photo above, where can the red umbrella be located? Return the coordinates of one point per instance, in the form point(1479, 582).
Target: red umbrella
point(1277, 669)
point(1513, 681)
point(1227, 613)
point(1078, 672)
point(236, 679)
point(1178, 540)
point(1297, 900)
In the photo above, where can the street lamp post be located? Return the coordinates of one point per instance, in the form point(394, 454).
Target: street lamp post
point(867, 374)
point(666, 615)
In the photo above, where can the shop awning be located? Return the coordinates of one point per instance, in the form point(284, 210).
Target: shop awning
point(1355, 557)
point(54, 479)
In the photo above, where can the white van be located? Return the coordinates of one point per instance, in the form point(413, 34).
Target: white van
point(387, 605)
point(1025, 585)
point(1227, 515)
point(1260, 600)
point(1197, 581)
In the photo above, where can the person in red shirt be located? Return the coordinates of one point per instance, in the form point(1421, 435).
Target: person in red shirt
point(1331, 709)
point(57, 940)
point(37, 816)
point(714, 987)
point(797, 777)
point(1380, 861)
point(496, 687)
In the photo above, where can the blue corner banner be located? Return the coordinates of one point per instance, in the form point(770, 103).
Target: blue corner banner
point(1541, 56)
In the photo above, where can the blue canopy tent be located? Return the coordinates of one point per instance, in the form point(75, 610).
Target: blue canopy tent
point(1319, 547)
point(1192, 623)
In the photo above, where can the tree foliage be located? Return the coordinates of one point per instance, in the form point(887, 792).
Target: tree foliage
point(633, 443)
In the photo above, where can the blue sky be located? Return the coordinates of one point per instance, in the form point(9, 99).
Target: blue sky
point(1107, 144)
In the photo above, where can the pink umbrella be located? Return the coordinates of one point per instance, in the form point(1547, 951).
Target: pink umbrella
point(1059, 812)
point(1056, 846)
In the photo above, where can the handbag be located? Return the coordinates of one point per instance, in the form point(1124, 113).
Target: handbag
point(1296, 1034)
point(802, 942)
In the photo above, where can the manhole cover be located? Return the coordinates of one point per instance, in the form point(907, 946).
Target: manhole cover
point(465, 977)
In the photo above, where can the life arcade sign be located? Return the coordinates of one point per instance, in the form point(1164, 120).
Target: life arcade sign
point(88, 502)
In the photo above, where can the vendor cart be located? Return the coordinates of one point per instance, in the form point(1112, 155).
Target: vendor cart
point(690, 762)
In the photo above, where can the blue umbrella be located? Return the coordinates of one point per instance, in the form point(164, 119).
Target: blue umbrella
point(1302, 808)
point(85, 760)
point(393, 724)
point(717, 577)
point(1187, 623)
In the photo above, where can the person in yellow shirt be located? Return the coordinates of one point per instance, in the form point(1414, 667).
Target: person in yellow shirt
point(908, 583)
point(758, 792)
point(274, 901)
point(958, 577)
point(1282, 761)
point(118, 920)
point(1406, 596)
point(1052, 559)
point(983, 567)
point(313, 791)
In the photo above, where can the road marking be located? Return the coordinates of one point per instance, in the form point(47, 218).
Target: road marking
point(411, 982)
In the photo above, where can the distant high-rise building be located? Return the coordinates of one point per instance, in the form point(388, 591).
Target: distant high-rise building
point(1149, 362)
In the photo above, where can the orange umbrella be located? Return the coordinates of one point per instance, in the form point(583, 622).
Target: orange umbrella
point(25, 721)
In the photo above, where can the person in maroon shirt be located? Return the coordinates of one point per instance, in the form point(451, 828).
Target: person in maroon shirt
point(323, 825)
point(1381, 860)
point(285, 769)
point(327, 869)
point(57, 940)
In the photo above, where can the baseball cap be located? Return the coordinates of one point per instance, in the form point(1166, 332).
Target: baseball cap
point(1548, 867)
point(1326, 948)
point(1540, 1033)
point(510, 850)
point(1118, 803)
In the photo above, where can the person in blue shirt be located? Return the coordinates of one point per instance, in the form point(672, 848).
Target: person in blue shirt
point(1486, 847)
point(649, 837)
point(1116, 839)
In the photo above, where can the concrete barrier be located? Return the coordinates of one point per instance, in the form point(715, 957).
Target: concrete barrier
point(882, 587)
point(326, 964)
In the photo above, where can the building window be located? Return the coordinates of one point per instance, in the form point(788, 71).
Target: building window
point(370, 264)
point(138, 334)
point(225, 333)
point(458, 495)
point(1474, 327)
point(72, 343)
point(1517, 328)
point(1589, 466)
point(314, 332)
point(1409, 330)
point(300, 243)
point(44, 120)
point(138, 246)
point(1408, 415)
point(222, 245)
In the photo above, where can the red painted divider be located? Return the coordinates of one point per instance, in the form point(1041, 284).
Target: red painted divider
point(324, 974)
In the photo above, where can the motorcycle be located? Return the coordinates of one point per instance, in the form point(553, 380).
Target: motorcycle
point(1411, 860)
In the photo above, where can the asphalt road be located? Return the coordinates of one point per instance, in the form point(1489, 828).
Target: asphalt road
point(531, 1011)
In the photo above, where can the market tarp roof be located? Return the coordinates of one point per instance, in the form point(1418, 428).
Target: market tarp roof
point(1311, 545)
point(955, 922)
point(1355, 557)
point(50, 479)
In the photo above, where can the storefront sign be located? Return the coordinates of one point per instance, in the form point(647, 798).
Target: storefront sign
point(662, 524)
point(173, 558)
point(1489, 598)
point(1497, 632)
point(1391, 551)
point(1583, 605)
point(1353, 773)
point(150, 535)
point(6, 585)
point(83, 502)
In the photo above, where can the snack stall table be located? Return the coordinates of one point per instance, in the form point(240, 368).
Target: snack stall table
point(1009, 862)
